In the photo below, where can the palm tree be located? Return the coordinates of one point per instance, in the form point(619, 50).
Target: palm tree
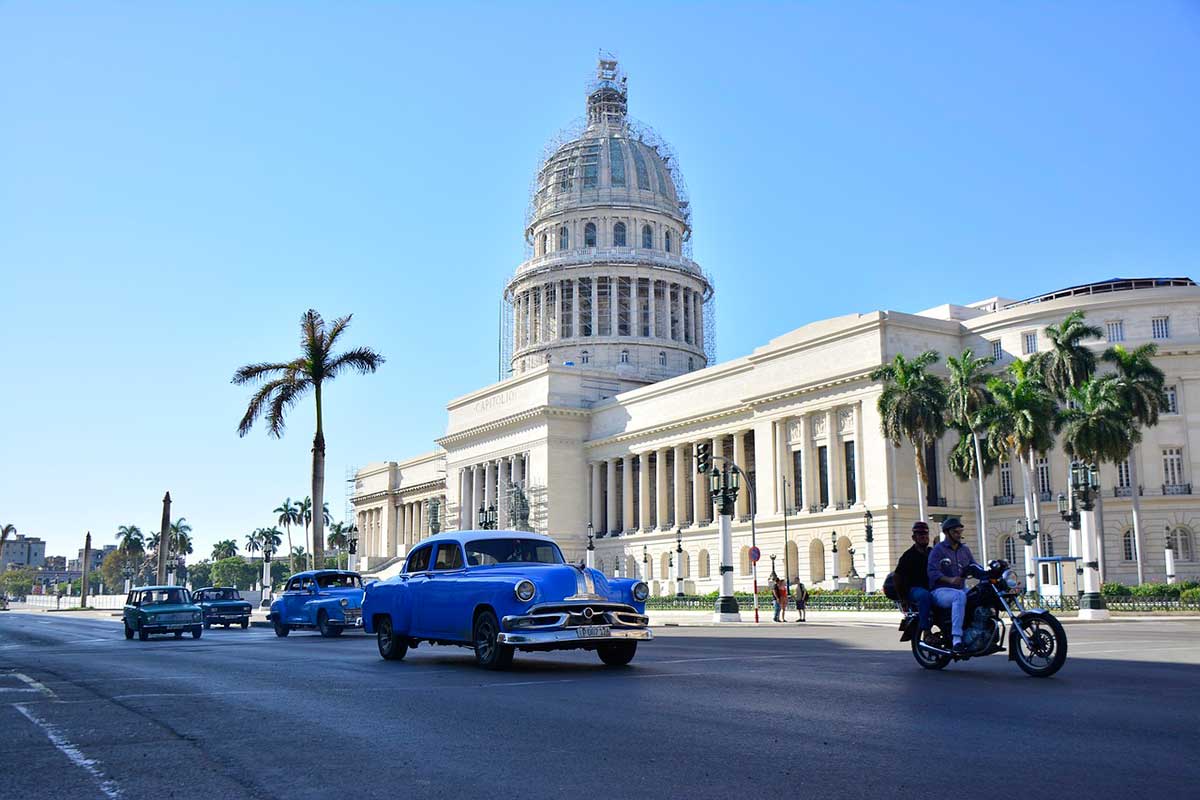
point(304, 509)
point(912, 407)
point(289, 515)
point(298, 552)
point(1140, 385)
point(1068, 364)
point(8, 530)
point(254, 541)
point(270, 538)
point(226, 548)
point(967, 394)
point(287, 382)
point(131, 540)
point(338, 539)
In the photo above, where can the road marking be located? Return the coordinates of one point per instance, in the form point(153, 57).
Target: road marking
point(732, 658)
point(73, 753)
point(1191, 647)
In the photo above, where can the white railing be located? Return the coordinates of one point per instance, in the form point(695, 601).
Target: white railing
point(603, 255)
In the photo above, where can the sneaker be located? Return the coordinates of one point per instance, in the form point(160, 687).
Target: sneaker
point(959, 647)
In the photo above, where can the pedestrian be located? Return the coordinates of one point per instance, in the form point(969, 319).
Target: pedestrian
point(801, 601)
point(779, 592)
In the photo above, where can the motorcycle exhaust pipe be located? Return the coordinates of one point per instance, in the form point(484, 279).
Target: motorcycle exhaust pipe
point(940, 651)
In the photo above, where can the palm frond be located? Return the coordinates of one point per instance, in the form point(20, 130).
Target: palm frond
point(360, 359)
point(258, 401)
point(256, 372)
point(282, 401)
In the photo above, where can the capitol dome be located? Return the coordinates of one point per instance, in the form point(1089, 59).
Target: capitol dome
point(610, 283)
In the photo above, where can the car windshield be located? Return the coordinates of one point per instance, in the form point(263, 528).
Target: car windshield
point(172, 596)
point(483, 552)
point(222, 594)
point(339, 581)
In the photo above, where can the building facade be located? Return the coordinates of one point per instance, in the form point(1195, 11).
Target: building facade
point(22, 551)
point(611, 390)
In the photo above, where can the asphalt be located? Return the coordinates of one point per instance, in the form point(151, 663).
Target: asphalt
point(835, 708)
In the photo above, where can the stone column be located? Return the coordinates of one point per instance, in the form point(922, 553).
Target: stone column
point(860, 471)
point(503, 471)
point(645, 522)
point(635, 316)
point(698, 333)
point(739, 458)
point(766, 477)
point(613, 305)
point(831, 438)
point(806, 463)
point(489, 483)
point(610, 516)
point(628, 523)
point(782, 456)
point(717, 450)
point(574, 307)
point(663, 520)
point(476, 493)
point(699, 492)
point(597, 498)
point(653, 310)
point(596, 311)
point(681, 514)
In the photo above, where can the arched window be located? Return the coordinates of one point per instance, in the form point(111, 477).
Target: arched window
point(662, 358)
point(564, 238)
point(624, 356)
point(666, 569)
point(616, 162)
point(589, 235)
point(685, 564)
point(647, 237)
point(691, 363)
point(619, 234)
point(845, 560)
point(667, 241)
point(630, 567)
point(1009, 546)
point(648, 566)
point(1128, 546)
point(792, 567)
point(703, 565)
point(585, 357)
point(1181, 541)
point(545, 244)
point(744, 561)
point(816, 561)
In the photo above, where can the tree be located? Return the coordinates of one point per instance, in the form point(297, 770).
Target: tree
point(1068, 364)
point(967, 394)
point(338, 539)
point(298, 552)
point(131, 540)
point(286, 382)
point(233, 571)
point(289, 515)
point(17, 582)
point(1095, 425)
point(270, 538)
point(112, 568)
point(226, 548)
point(912, 407)
point(200, 574)
point(254, 541)
point(1139, 384)
point(304, 509)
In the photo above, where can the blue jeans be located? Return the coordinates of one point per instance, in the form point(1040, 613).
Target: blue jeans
point(777, 609)
point(956, 601)
point(920, 597)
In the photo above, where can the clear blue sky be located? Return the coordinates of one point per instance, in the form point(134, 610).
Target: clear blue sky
point(179, 181)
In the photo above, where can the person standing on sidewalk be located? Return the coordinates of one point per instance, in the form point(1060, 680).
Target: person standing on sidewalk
point(779, 590)
point(801, 600)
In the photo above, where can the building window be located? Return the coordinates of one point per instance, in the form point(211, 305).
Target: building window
point(1181, 542)
point(1043, 475)
point(1172, 404)
point(691, 363)
point(624, 356)
point(823, 474)
point(797, 478)
point(1128, 546)
point(589, 235)
point(619, 234)
point(997, 351)
point(1115, 330)
point(851, 484)
point(564, 238)
point(1047, 545)
point(585, 357)
point(667, 241)
point(1006, 479)
point(616, 163)
point(662, 358)
point(1123, 481)
point(545, 244)
point(1173, 466)
point(1010, 550)
point(1160, 328)
point(639, 166)
point(1029, 342)
point(566, 323)
point(603, 325)
point(703, 565)
point(647, 238)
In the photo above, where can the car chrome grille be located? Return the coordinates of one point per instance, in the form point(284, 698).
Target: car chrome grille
point(352, 615)
point(182, 616)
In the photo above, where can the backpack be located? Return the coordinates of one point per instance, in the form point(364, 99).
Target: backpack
point(889, 588)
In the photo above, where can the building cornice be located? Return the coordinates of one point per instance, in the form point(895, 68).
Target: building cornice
point(539, 412)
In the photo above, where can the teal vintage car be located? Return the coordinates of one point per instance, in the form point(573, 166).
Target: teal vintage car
point(161, 609)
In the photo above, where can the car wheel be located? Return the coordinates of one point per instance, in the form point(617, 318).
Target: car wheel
point(489, 653)
point(207, 624)
point(391, 647)
point(143, 634)
point(178, 634)
point(128, 631)
point(281, 630)
point(617, 654)
point(195, 632)
point(328, 629)
point(245, 624)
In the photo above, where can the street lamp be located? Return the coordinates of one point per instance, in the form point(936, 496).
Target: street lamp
point(1028, 531)
point(833, 538)
point(591, 548)
point(1085, 487)
point(870, 529)
point(645, 563)
point(773, 574)
point(679, 562)
point(723, 487)
point(487, 518)
point(1170, 554)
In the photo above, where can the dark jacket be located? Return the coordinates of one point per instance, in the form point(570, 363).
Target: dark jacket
point(912, 571)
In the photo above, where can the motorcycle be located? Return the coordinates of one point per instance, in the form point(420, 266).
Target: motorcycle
point(1035, 638)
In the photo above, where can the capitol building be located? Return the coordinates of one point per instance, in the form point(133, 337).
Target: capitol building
point(612, 385)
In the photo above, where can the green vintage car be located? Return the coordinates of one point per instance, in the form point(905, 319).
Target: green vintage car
point(161, 609)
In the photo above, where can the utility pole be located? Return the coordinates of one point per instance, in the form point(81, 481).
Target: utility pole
point(723, 489)
point(87, 564)
point(163, 546)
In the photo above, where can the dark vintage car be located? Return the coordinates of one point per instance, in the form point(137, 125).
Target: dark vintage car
point(222, 605)
point(329, 600)
point(500, 591)
point(161, 609)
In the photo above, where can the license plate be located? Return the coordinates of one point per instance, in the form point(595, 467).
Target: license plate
point(592, 631)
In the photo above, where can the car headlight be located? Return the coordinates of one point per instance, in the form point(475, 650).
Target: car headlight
point(345, 602)
point(196, 616)
point(1010, 579)
point(641, 591)
point(525, 591)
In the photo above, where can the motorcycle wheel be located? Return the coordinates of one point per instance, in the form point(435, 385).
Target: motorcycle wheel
point(925, 658)
point(1049, 646)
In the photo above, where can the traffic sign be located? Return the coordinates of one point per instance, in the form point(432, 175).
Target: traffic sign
point(755, 555)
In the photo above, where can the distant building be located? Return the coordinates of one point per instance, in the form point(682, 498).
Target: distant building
point(98, 556)
point(57, 563)
point(23, 551)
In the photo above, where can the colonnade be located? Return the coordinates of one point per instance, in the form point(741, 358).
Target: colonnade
point(392, 530)
point(487, 484)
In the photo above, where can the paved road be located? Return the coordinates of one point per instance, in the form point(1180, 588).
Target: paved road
point(799, 711)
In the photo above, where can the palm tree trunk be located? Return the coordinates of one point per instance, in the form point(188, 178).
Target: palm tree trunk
point(1037, 500)
point(983, 549)
point(1136, 506)
point(291, 553)
point(920, 481)
point(318, 488)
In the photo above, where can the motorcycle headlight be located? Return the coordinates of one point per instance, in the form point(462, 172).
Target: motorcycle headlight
point(525, 591)
point(1010, 579)
point(641, 591)
point(345, 602)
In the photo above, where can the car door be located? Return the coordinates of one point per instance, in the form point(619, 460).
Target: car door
point(416, 575)
point(306, 611)
point(443, 591)
point(293, 601)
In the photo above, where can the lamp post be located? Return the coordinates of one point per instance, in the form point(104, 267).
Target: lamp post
point(833, 538)
point(645, 564)
point(591, 549)
point(1170, 554)
point(127, 571)
point(679, 562)
point(773, 573)
point(787, 569)
point(870, 529)
point(487, 518)
point(1027, 531)
point(723, 487)
point(1085, 486)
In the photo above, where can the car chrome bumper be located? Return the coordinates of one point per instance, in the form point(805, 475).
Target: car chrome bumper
point(569, 636)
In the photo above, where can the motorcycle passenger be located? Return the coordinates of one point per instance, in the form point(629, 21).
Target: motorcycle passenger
point(912, 574)
point(948, 561)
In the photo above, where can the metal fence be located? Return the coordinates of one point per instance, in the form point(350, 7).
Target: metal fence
point(113, 601)
point(877, 602)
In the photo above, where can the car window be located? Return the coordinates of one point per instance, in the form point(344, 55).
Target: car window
point(293, 585)
point(335, 580)
point(483, 552)
point(173, 596)
point(419, 560)
point(131, 599)
point(199, 597)
point(449, 556)
point(224, 594)
point(306, 584)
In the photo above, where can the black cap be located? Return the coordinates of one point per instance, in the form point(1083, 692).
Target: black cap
point(951, 522)
point(920, 526)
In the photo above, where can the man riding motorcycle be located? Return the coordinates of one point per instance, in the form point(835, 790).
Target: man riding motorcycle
point(912, 575)
point(948, 562)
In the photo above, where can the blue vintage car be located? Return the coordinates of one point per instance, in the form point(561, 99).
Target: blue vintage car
point(222, 605)
point(499, 591)
point(329, 600)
